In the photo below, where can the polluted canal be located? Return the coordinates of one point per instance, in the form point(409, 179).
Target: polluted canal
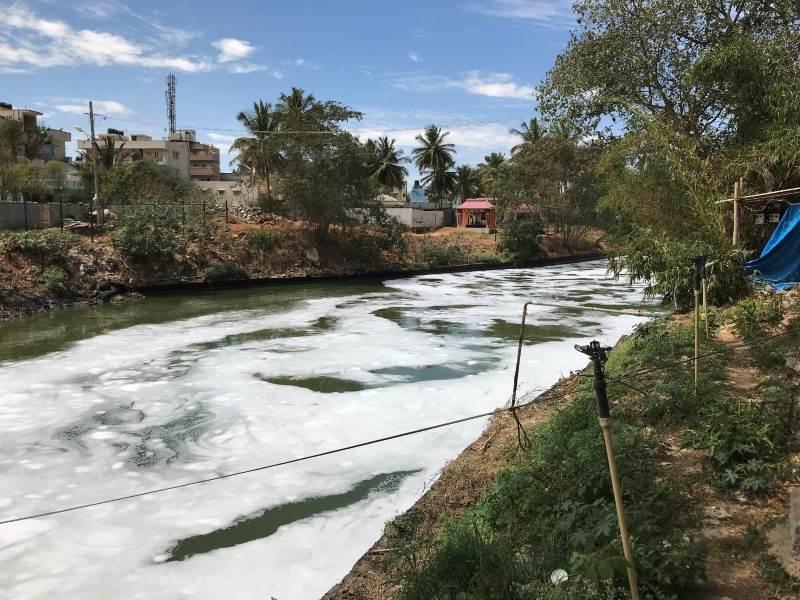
point(107, 401)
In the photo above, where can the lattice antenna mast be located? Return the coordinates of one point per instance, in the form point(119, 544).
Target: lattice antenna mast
point(170, 95)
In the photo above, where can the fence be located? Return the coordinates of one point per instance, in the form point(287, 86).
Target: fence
point(40, 215)
point(45, 215)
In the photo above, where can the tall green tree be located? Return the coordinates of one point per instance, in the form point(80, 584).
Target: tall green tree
point(386, 164)
point(258, 153)
point(315, 149)
point(467, 183)
point(18, 147)
point(435, 158)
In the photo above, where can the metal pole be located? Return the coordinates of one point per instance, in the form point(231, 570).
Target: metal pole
point(598, 356)
point(226, 214)
point(25, 209)
point(61, 210)
point(522, 436)
point(95, 199)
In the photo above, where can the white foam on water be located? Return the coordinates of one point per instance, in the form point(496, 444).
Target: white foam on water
point(158, 405)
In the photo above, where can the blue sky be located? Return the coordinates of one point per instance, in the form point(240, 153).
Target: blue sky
point(472, 65)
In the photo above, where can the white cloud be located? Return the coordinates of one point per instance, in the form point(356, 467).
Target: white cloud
point(245, 68)
point(231, 49)
point(78, 106)
point(28, 40)
point(303, 63)
point(494, 85)
point(415, 57)
point(552, 13)
point(224, 142)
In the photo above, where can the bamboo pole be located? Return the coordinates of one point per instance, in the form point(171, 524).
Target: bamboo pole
point(737, 192)
point(633, 578)
point(598, 356)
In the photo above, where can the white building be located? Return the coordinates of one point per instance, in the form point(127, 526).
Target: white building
point(190, 159)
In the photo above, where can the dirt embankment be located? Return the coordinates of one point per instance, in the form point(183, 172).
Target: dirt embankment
point(95, 271)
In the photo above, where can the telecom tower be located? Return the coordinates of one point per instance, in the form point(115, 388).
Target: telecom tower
point(170, 94)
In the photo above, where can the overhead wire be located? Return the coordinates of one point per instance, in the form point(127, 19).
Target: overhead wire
point(451, 125)
point(539, 399)
point(512, 409)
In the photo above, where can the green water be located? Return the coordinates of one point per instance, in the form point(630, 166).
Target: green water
point(267, 522)
point(54, 331)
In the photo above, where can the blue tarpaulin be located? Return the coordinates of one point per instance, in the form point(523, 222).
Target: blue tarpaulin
point(779, 263)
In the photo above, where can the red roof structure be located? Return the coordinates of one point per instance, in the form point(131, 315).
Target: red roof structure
point(476, 212)
point(476, 204)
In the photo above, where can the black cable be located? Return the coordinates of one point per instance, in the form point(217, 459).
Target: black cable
point(539, 399)
point(542, 398)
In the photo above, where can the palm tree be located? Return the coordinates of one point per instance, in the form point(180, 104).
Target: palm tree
point(257, 152)
point(295, 108)
point(467, 182)
point(434, 158)
point(109, 155)
point(489, 171)
point(530, 132)
point(386, 167)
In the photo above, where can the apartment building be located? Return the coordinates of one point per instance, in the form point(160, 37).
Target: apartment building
point(55, 148)
point(190, 159)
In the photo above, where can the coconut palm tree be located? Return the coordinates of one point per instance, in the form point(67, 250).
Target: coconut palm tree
point(387, 163)
point(489, 171)
point(530, 132)
point(296, 109)
point(435, 158)
point(467, 183)
point(257, 152)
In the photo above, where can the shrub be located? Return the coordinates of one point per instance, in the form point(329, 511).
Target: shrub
point(489, 257)
point(224, 272)
point(667, 265)
point(55, 279)
point(555, 508)
point(521, 238)
point(150, 232)
point(739, 440)
point(45, 247)
point(441, 252)
point(261, 240)
point(751, 313)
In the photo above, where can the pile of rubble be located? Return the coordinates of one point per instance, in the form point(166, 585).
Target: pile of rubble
point(250, 214)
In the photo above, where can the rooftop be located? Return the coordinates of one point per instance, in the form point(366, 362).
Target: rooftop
point(476, 203)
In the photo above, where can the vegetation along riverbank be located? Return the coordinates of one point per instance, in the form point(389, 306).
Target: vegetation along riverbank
point(706, 471)
point(42, 270)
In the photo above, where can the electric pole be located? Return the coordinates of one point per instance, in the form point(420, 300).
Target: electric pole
point(96, 199)
point(598, 355)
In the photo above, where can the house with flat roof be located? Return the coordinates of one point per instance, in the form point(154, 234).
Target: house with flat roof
point(55, 149)
point(191, 160)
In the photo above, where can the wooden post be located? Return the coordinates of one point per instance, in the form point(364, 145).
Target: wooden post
point(736, 193)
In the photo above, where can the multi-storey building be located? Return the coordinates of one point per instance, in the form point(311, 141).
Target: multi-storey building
point(54, 149)
point(190, 159)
